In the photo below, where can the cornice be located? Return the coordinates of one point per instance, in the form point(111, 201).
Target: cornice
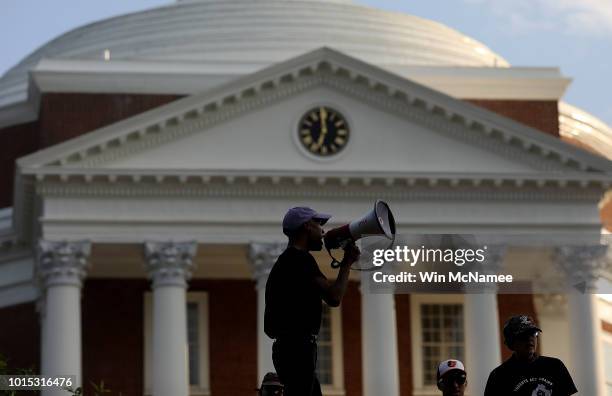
point(415, 186)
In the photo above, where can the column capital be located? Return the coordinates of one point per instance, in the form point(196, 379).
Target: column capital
point(583, 264)
point(62, 262)
point(262, 256)
point(170, 263)
point(552, 304)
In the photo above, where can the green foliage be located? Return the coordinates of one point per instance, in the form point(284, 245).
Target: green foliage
point(4, 370)
point(98, 389)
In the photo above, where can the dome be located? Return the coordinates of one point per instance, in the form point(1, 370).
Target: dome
point(225, 35)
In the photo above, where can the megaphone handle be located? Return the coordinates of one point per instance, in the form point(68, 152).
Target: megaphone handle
point(335, 263)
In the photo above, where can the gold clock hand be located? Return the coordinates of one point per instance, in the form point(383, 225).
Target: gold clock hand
point(323, 117)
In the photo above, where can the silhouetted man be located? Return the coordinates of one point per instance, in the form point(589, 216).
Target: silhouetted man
point(526, 373)
point(294, 294)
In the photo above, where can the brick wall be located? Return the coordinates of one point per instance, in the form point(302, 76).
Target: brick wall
point(351, 339)
point(113, 350)
point(538, 114)
point(233, 335)
point(15, 141)
point(113, 334)
point(20, 336)
point(65, 115)
point(404, 343)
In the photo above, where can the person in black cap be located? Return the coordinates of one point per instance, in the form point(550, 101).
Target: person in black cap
point(525, 372)
point(270, 386)
point(294, 293)
point(451, 378)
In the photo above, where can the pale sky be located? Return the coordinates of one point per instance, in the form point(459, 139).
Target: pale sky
point(574, 35)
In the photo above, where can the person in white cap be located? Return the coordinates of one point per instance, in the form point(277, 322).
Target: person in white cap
point(451, 378)
point(294, 293)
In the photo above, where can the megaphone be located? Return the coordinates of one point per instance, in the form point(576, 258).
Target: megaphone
point(379, 221)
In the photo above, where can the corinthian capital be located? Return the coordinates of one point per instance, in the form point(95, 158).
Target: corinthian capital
point(262, 256)
point(62, 263)
point(170, 263)
point(583, 264)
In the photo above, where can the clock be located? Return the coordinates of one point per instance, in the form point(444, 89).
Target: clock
point(323, 131)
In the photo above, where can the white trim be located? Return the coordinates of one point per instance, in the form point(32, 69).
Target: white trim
point(90, 76)
point(337, 387)
point(203, 326)
point(416, 300)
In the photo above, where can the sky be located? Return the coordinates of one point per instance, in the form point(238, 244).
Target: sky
point(574, 35)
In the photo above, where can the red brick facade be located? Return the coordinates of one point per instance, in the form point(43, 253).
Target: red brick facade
point(404, 343)
point(15, 142)
point(538, 114)
point(351, 340)
point(233, 335)
point(20, 336)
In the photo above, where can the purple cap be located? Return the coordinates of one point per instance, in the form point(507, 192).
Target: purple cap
point(297, 216)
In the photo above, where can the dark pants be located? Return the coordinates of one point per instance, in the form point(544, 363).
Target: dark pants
point(295, 361)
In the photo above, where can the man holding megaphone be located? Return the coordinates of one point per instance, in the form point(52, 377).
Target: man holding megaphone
point(294, 293)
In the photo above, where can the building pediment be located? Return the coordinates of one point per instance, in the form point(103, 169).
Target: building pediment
point(239, 140)
point(248, 124)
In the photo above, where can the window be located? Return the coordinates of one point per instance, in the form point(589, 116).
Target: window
point(442, 336)
point(197, 342)
point(438, 334)
point(329, 360)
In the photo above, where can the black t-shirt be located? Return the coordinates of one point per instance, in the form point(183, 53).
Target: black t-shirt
point(545, 376)
point(293, 299)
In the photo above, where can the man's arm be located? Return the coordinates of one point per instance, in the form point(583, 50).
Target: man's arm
point(332, 292)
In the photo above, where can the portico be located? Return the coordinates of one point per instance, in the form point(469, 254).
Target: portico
point(196, 191)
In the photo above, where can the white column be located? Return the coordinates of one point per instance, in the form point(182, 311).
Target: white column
point(482, 334)
point(169, 266)
point(483, 351)
point(262, 257)
point(60, 271)
point(582, 265)
point(379, 344)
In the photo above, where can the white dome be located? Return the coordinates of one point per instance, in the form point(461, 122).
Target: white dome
point(222, 34)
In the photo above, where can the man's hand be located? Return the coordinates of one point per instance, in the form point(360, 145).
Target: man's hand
point(332, 292)
point(351, 254)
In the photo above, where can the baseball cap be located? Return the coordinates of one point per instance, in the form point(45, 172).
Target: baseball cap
point(271, 379)
point(519, 324)
point(449, 365)
point(299, 215)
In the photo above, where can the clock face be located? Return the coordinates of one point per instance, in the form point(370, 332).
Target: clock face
point(323, 131)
